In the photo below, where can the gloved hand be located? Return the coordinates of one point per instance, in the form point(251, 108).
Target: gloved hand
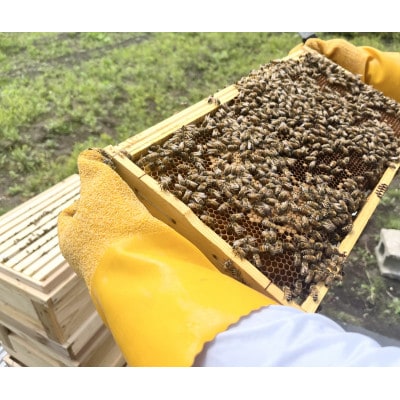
point(159, 295)
point(376, 68)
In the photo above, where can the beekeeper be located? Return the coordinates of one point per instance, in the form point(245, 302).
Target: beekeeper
point(164, 301)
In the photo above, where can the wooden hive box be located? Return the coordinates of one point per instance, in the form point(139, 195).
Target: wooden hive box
point(164, 146)
point(37, 286)
point(91, 345)
point(43, 303)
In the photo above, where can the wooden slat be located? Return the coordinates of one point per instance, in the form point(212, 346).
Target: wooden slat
point(72, 349)
point(46, 250)
point(38, 203)
point(48, 269)
point(29, 249)
point(12, 362)
point(29, 230)
point(30, 355)
point(4, 332)
point(48, 282)
point(96, 348)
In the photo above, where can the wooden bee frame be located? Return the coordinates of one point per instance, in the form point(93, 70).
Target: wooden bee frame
point(176, 214)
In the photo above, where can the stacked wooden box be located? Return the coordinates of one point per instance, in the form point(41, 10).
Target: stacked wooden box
point(46, 314)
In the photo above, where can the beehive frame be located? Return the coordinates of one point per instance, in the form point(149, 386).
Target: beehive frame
point(169, 209)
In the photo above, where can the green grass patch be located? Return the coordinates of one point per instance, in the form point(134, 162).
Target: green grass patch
point(62, 91)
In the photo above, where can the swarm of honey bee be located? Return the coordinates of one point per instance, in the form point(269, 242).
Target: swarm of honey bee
point(281, 171)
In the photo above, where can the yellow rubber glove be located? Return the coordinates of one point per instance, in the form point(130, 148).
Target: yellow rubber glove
point(159, 295)
point(376, 68)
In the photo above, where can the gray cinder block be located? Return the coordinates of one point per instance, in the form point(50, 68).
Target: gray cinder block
point(388, 253)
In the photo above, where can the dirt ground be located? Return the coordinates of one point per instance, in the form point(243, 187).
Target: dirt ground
point(365, 298)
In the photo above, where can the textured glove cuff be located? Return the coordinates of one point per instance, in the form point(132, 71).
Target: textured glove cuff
point(163, 299)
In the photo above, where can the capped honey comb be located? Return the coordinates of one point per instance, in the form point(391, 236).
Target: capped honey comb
point(281, 171)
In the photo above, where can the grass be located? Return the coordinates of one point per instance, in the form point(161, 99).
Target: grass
point(63, 92)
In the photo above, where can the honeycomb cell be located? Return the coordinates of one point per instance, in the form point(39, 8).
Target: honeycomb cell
point(280, 171)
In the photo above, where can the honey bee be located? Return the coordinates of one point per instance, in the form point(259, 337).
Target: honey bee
point(236, 217)
point(347, 228)
point(328, 225)
point(257, 260)
point(239, 242)
point(186, 196)
point(310, 258)
point(269, 235)
point(304, 223)
point(219, 145)
point(276, 248)
point(233, 147)
point(215, 193)
point(196, 154)
point(282, 207)
point(191, 184)
point(208, 220)
point(179, 187)
point(212, 202)
point(271, 201)
point(212, 151)
point(262, 209)
point(264, 247)
point(245, 205)
point(196, 207)
point(304, 268)
point(239, 230)
point(329, 280)
point(318, 275)
point(148, 158)
point(228, 265)
point(314, 293)
point(287, 293)
point(213, 100)
point(257, 158)
point(223, 207)
point(284, 195)
point(165, 181)
point(282, 219)
point(199, 197)
point(239, 252)
point(298, 288)
point(297, 259)
point(254, 196)
point(234, 187)
point(126, 154)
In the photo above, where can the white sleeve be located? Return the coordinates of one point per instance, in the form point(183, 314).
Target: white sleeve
point(284, 336)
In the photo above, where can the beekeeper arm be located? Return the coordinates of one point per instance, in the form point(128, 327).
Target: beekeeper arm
point(376, 68)
point(281, 336)
point(159, 295)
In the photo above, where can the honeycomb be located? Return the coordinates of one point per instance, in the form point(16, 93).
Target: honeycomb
point(281, 171)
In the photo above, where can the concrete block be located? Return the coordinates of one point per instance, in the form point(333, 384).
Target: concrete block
point(388, 253)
